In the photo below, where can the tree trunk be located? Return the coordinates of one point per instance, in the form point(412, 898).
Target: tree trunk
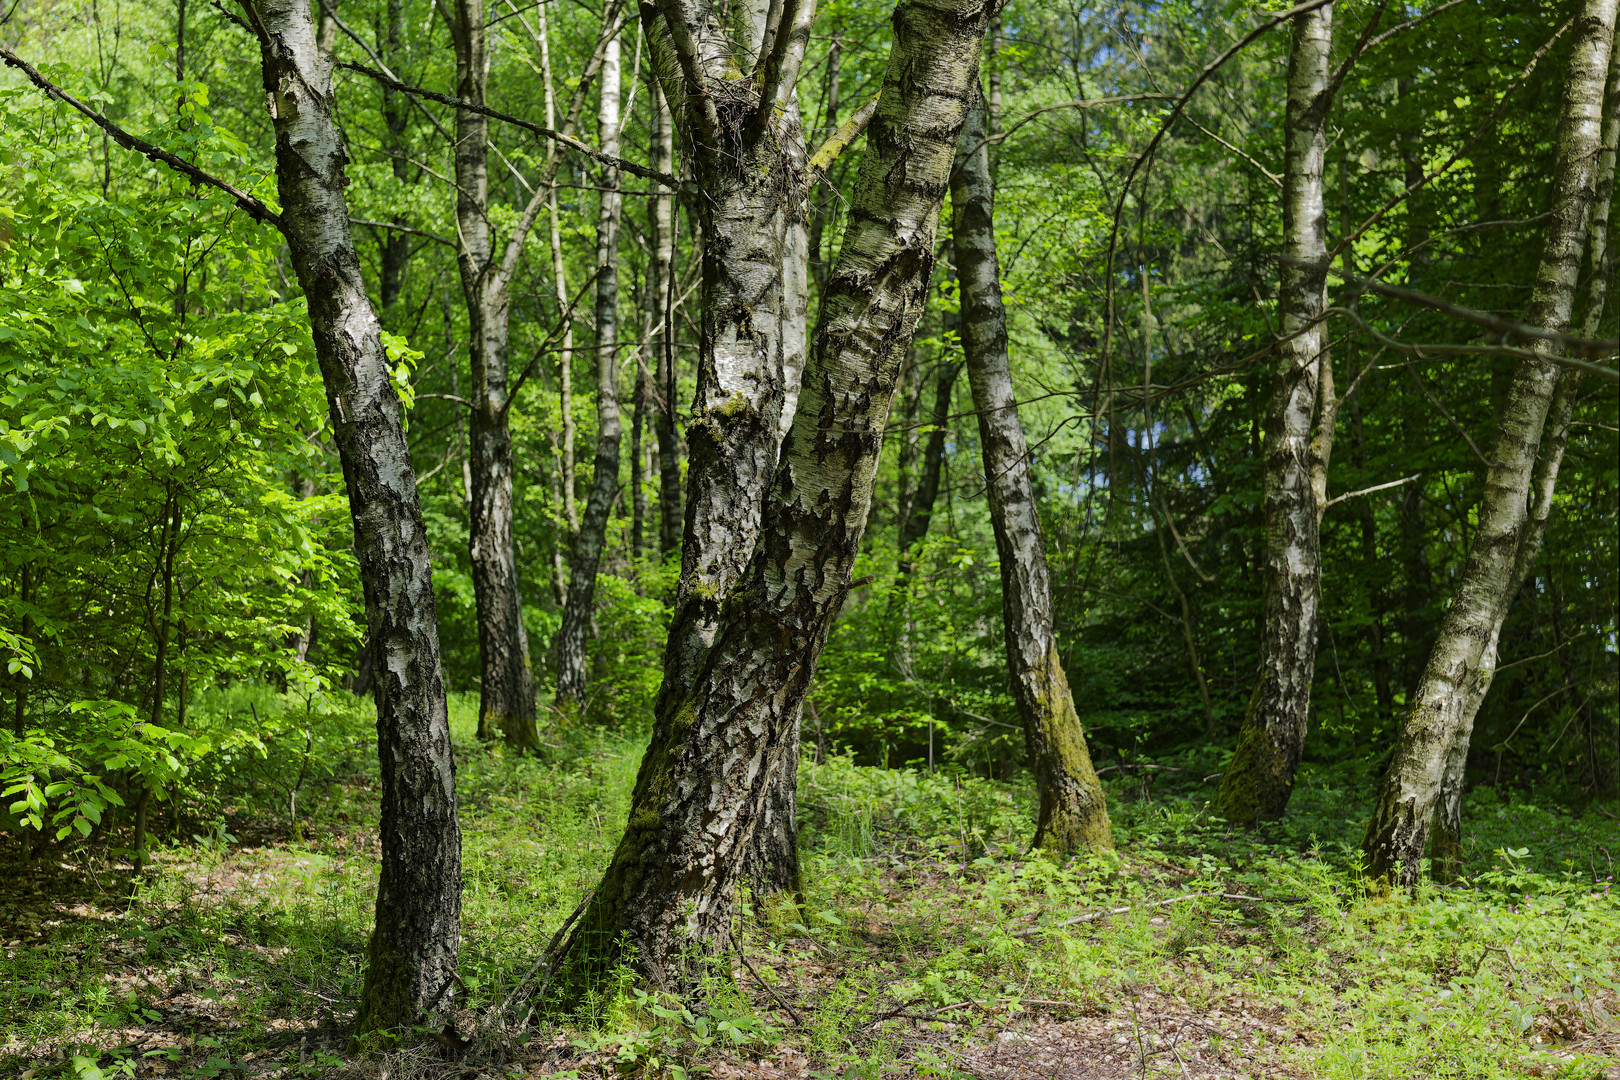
point(1260, 777)
point(412, 955)
point(170, 540)
point(588, 544)
point(506, 681)
point(395, 246)
point(662, 229)
point(1073, 810)
point(751, 343)
point(1446, 850)
point(1512, 513)
point(712, 765)
point(638, 463)
point(920, 510)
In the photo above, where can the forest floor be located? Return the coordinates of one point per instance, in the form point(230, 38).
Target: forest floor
point(929, 943)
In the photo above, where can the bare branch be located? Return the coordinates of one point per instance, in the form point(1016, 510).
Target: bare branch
point(556, 136)
point(257, 210)
point(840, 140)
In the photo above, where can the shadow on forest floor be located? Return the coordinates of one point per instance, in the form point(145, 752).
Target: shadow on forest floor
point(929, 943)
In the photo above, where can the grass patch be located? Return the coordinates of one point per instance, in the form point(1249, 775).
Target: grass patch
point(930, 943)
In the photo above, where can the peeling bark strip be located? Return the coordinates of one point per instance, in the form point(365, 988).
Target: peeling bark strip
point(412, 956)
point(1073, 809)
point(1260, 776)
point(576, 621)
point(1463, 660)
point(1446, 851)
point(506, 687)
point(712, 765)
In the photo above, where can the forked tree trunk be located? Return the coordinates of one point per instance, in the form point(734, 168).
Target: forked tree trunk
point(1446, 850)
point(412, 956)
point(588, 544)
point(1073, 810)
point(1463, 660)
point(1260, 777)
point(752, 167)
point(670, 891)
point(751, 344)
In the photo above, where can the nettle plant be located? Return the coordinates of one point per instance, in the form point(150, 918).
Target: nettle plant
point(170, 525)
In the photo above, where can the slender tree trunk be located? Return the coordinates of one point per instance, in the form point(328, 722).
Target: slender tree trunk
point(920, 510)
point(506, 681)
point(1260, 777)
point(170, 539)
point(1446, 849)
point(412, 956)
point(661, 214)
point(592, 536)
point(638, 463)
point(712, 766)
point(1073, 810)
point(395, 246)
point(1518, 494)
point(25, 595)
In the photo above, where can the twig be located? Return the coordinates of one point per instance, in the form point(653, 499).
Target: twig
point(767, 986)
point(555, 136)
point(1370, 490)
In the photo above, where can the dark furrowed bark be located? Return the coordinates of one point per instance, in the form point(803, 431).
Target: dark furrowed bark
point(1461, 664)
point(588, 544)
point(671, 888)
point(1446, 848)
point(412, 955)
point(1073, 809)
point(506, 703)
point(1260, 777)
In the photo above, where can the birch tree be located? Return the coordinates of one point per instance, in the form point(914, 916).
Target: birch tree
point(1519, 484)
point(1257, 782)
point(1073, 811)
point(713, 763)
point(592, 534)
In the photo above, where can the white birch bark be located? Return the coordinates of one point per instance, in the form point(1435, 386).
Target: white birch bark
point(712, 765)
point(412, 955)
point(1073, 812)
point(592, 536)
point(1446, 853)
point(1461, 664)
point(1257, 782)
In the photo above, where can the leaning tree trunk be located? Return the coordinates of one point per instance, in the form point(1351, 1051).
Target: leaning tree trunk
point(752, 167)
point(920, 510)
point(592, 536)
point(1446, 849)
point(412, 956)
point(1073, 809)
point(1260, 777)
point(1463, 660)
point(669, 894)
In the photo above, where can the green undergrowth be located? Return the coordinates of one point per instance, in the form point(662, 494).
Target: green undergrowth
point(926, 934)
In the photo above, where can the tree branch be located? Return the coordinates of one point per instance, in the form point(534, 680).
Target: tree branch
point(435, 237)
point(257, 210)
point(556, 136)
point(847, 133)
